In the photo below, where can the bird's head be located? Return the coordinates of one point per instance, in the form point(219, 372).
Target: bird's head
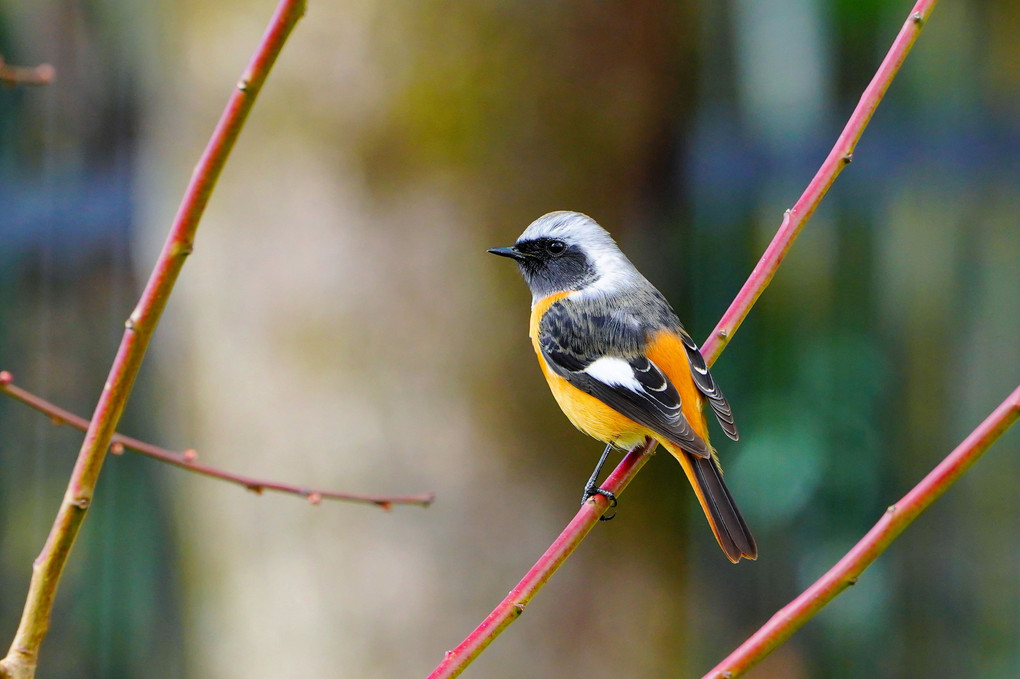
point(567, 251)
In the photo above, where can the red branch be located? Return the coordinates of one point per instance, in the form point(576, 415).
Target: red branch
point(513, 605)
point(188, 459)
point(839, 157)
point(792, 617)
point(22, 658)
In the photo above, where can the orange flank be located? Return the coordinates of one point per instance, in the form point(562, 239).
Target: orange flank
point(667, 351)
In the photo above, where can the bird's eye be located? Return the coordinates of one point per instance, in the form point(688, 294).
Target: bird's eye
point(556, 248)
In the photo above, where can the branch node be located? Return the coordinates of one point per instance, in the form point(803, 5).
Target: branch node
point(189, 455)
point(81, 503)
point(848, 157)
point(917, 18)
point(519, 608)
point(385, 506)
point(314, 498)
point(183, 249)
point(723, 333)
point(256, 488)
point(242, 85)
point(891, 509)
point(851, 581)
point(117, 448)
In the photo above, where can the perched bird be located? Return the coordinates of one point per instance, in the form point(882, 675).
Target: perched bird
point(620, 364)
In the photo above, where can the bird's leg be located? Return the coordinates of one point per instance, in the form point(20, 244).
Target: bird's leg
point(592, 487)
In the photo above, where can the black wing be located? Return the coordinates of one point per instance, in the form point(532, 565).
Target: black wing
point(602, 357)
point(706, 385)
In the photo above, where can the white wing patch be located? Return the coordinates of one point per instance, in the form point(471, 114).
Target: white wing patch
point(616, 372)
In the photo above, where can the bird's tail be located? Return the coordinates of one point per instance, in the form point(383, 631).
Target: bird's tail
point(724, 517)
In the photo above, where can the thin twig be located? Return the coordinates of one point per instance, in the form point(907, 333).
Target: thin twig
point(188, 459)
point(22, 658)
point(43, 74)
point(510, 609)
point(792, 617)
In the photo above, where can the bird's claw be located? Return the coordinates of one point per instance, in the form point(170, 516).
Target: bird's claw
point(595, 490)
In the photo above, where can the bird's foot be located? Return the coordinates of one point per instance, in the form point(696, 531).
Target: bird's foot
point(591, 490)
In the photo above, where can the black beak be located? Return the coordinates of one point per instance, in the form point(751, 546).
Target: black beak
point(512, 253)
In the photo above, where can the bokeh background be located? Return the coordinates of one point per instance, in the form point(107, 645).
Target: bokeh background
point(340, 324)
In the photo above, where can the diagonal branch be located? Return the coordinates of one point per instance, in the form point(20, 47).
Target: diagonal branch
point(511, 608)
point(188, 459)
point(839, 157)
point(22, 658)
point(792, 617)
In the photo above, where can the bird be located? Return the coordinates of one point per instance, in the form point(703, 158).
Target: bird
point(620, 364)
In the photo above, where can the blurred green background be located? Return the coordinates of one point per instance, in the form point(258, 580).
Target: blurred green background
point(341, 325)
